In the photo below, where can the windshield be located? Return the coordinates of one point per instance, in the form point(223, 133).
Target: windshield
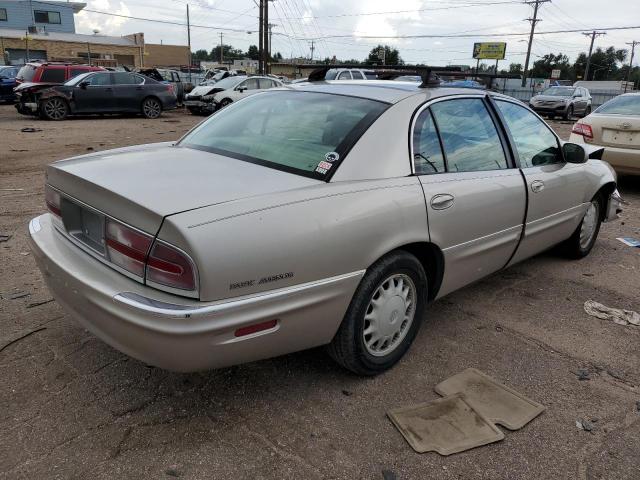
point(559, 91)
point(229, 82)
point(26, 73)
point(622, 105)
point(77, 79)
point(299, 132)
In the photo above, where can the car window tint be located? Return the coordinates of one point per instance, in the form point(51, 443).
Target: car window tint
point(54, 75)
point(344, 76)
point(265, 83)
point(427, 154)
point(124, 78)
point(74, 72)
point(302, 133)
point(251, 84)
point(99, 79)
point(357, 75)
point(471, 142)
point(535, 143)
point(622, 105)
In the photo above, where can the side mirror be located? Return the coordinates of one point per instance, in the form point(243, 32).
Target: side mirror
point(242, 89)
point(574, 153)
point(84, 85)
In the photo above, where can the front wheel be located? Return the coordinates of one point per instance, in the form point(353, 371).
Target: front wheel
point(568, 115)
point(384, 315)
point(54, 109)
point(587, 111)
point(151, 107)
point(225, 102)
point(579, 245)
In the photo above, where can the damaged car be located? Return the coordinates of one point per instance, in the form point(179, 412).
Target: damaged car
point(330, 213)
point(206, 99)
point(98, 93)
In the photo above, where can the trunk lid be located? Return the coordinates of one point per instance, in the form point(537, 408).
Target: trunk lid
point(142, 185)
point(621, 131)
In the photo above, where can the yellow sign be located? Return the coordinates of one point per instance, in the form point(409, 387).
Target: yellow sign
point(489, 51)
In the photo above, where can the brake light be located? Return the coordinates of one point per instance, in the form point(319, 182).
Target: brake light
point(171, 88)
point(582, 129)
point(126, 247)
point(170, 267)
point(52, 199)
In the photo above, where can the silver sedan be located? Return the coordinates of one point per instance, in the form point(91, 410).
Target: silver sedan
point(329, 213)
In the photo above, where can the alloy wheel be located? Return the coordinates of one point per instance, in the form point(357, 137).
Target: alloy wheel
point(151, 108)
point(389, 315)
point(589, 225)
point(55, 109)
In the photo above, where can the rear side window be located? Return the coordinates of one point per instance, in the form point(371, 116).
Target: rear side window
point(622, 105)
point(53, 75)
point(124, 78)
point(427, 154)
point(357, 75)
point(535, 143)
point(469, 136)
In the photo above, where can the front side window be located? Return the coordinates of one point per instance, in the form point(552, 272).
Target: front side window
point(535, 143)
point(469, 136)
point(622, 105)
point(357, 75)
point(250, 84)
point(344, 76)
point(427, 154)
point(304, 133)
point(42, 16)
point(3, 14)
point(53, 75)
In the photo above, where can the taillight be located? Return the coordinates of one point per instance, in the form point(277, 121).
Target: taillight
point(171, 88)
point(582, 129)
point(126, 247)
point(170, 267)
point(52, 199)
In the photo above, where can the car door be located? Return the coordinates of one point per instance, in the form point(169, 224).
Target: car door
point(475, 197)
point(246, 88)
point(94, 94)
point(556, 189)
point(344, 75)
point(128, 91)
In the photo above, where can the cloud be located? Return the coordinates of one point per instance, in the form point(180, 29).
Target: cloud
point(387, 24)
point(105, 24)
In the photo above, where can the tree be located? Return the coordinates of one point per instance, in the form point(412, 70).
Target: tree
point(515, 68)
point(201, 55)
point(253, 52)
point(605, 64)
point(542, 68)
point(229, 52)
point(277, 57)
point(391, 56)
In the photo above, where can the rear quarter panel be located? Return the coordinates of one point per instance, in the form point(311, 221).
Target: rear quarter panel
point(278, 240)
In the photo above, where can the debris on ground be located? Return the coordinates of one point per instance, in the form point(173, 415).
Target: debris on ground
point(11, 189)
point(30, 130)
point(584, 424)
point(615, 374)
point(347, 393)
point(388, 475)
point(618, 315)
point(4, 238)
point(583, 374)
point(21, 337)
point(632, 242)
point(173, 471)
point(37, 304)
point(18, 295)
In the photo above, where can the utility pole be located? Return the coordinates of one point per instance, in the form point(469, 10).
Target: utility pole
point(593, 36)
point(633, 51)
point(265, 41)
point(313, 47)
point(188, 43)
point(221, 50)
point(536, 5)
point(261, 38)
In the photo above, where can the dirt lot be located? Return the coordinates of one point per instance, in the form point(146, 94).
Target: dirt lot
point(72, 407)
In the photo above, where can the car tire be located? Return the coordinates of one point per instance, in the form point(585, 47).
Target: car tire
point(583, 239)
point(151, 107)
point(373, 336)
point(54, 109)
point(225, 102)
point(568, 115)
point(587, 111)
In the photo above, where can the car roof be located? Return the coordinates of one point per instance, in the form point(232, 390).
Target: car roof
point(381, 90)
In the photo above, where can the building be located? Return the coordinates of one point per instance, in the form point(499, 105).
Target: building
point(45, 30)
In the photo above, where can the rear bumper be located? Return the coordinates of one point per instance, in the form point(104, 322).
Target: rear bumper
point(623, 160)
point(179, 334)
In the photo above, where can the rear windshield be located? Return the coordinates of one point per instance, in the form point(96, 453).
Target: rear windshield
point(26, 73)
point(299, 132)
point(623, 105)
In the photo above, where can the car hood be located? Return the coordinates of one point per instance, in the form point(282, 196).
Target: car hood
point(552, 98)
point(34, 86)
point(142, 185)
point(205, 90)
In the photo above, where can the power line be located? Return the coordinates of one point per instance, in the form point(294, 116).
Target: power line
point(593, 36)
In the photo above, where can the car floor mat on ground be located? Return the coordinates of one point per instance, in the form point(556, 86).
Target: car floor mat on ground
point(446, 425)
point(497, 402)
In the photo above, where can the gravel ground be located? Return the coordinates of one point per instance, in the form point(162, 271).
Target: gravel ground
point(72, 407)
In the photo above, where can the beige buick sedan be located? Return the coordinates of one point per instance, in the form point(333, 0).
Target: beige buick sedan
point(615, 126)
point(330, 213)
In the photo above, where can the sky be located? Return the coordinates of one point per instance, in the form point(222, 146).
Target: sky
point(343, 27)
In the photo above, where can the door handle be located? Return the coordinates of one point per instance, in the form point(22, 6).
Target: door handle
point(537, 186)
point(108, 89)
point(442, 201)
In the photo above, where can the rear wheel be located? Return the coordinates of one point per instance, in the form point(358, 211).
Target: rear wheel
point(384, 315)
point(579, 245)
point(587, 111)
point(54, 108)
point(151, 107)
point(568, 115)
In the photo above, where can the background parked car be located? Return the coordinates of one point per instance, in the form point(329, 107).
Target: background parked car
point(462, 84)
point(563, 101)
point(169, 76)
point(8, 83)
point(206, 99)
point(350, 74)
point(52, 73)
point(615, 126)
point(101, 92)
